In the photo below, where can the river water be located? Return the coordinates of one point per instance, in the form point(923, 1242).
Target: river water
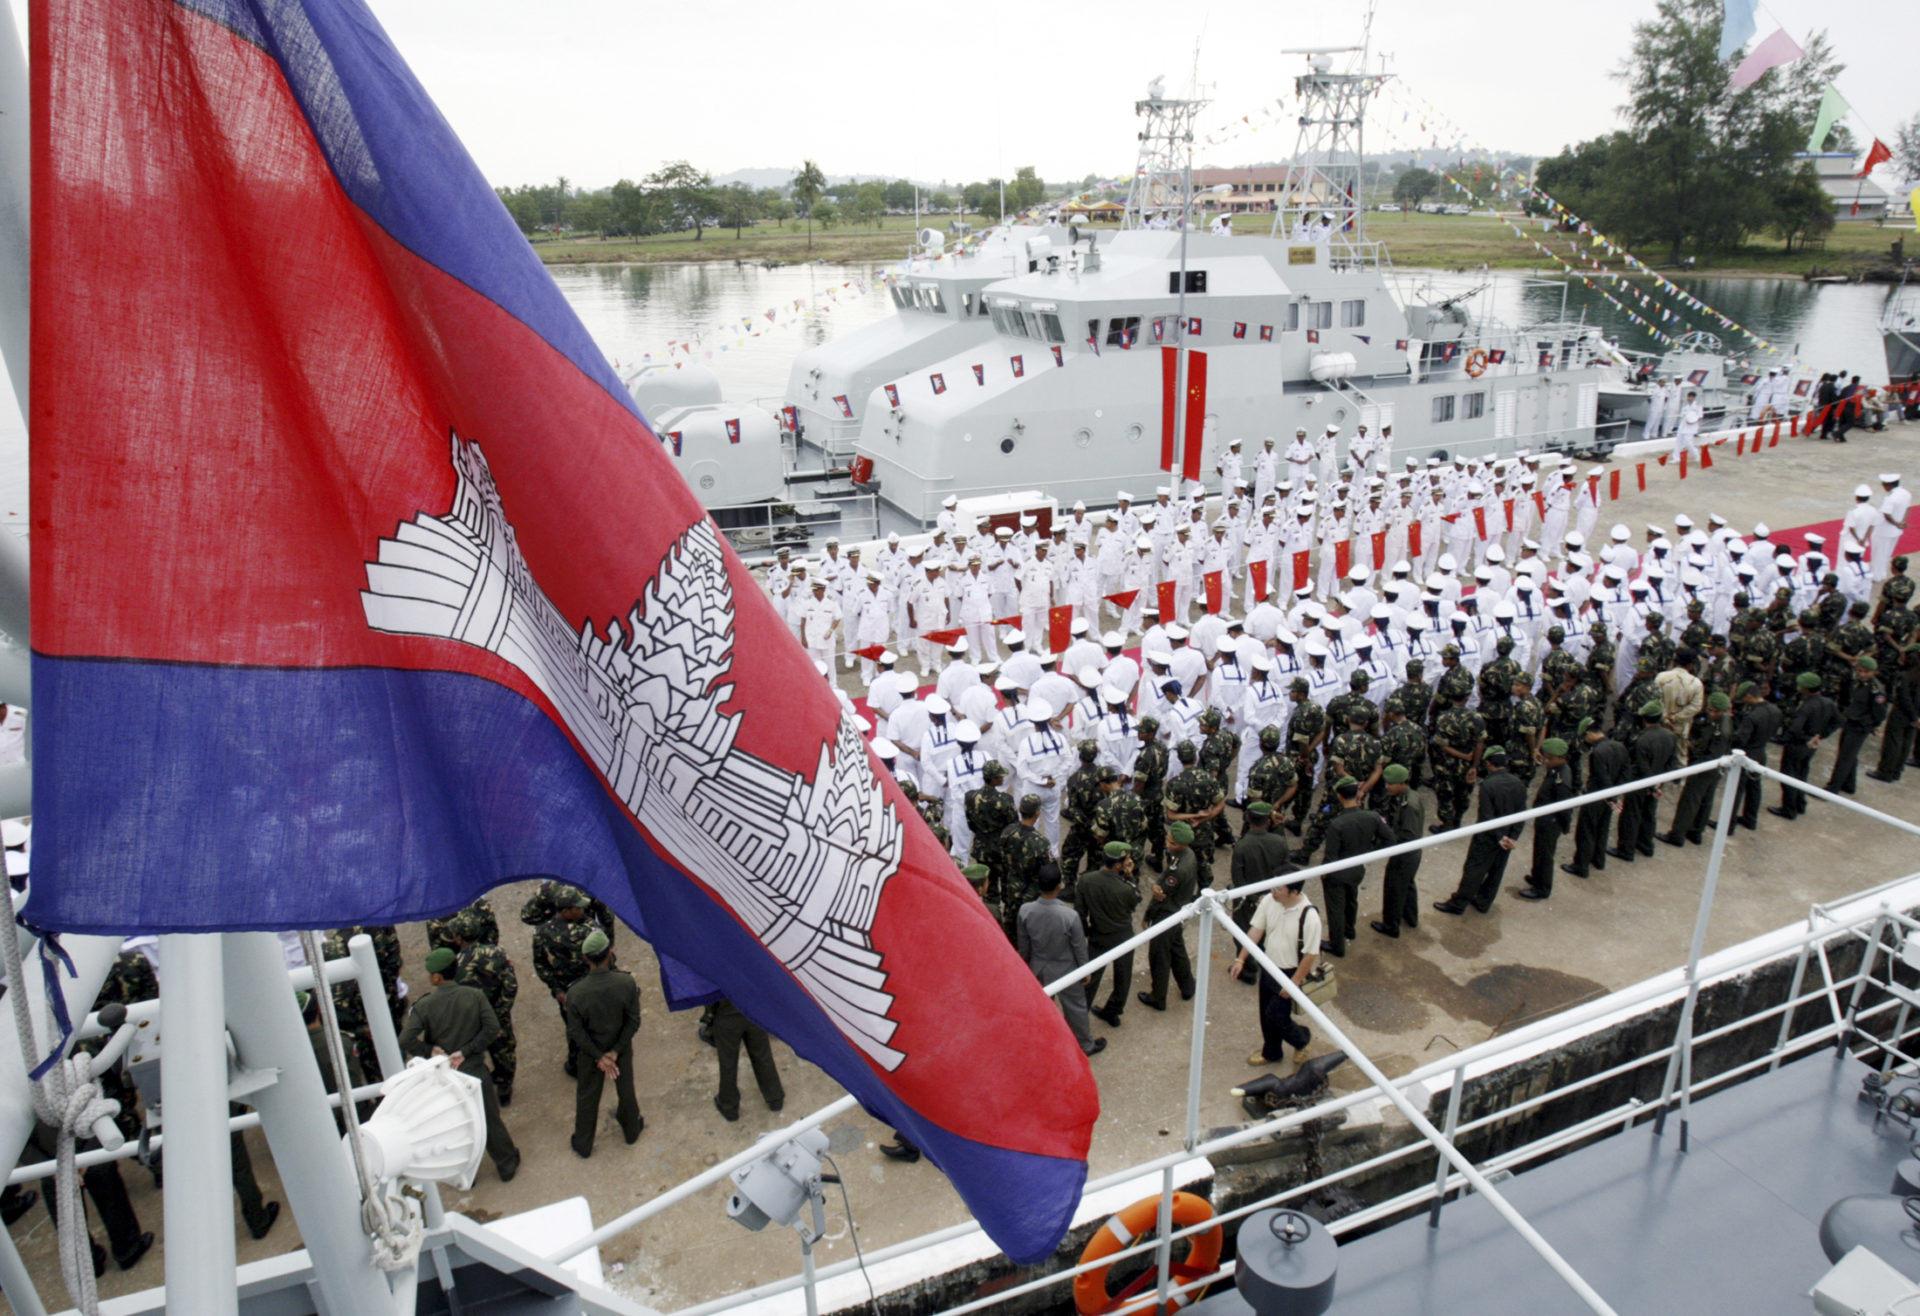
point(637, 311)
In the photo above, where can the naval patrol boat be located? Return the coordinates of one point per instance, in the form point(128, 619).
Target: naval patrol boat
point(1103, 360)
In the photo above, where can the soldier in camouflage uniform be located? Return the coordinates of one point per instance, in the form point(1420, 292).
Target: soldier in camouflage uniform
point(1695, 633)
point(1658, 649)
point(489, 926)
point(558, 960)
point(1194, 797)
point(1601, 660)
point(1023, 849)
point(1496, 690)
point(481, 963)
point(1076, 814)
point(1354, 752)
point(1558, 666)
point(1454, 689)
point(350, 1010)
point(1566, 710)
point(1897, 631)
point(1716, 666)
point(543, 904)
point(1402, 742)
point(1150, 768)
point(1626, 708)
point(1851, 640)
point(1274, 776)
point(990, 811)
point(1803, 650)
point(386, 951)
point(1830, 603)
point(1526, 728)
point(1342, 707)
point(1219, 754)
point(1458, 737)
point(1305, 731)
point(1415, 697)
point(1119, 815)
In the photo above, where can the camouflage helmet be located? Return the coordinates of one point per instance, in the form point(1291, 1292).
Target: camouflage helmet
point(1149, 725)
point(1089, 750)
point(1299, 685)
point(1186, 751)
point(1556, 632)
point(1451, 651)
point(995, 770)
point(1360, 680)
point(1504, 644)
point(1108, 773)
point(909, 790)
point(1029, 805)
point(1809, 619)
point(468, 925)
point(1269, 737)
point(1210, 718)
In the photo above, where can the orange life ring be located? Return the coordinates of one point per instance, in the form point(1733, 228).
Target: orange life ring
point(1477, 362)
point(1090, 1294)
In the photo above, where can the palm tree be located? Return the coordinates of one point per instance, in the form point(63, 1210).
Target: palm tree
point(807, 186)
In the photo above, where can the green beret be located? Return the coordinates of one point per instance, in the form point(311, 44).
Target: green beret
point(1299, 685)
point(974, 872)
point(440, 959)
point(1868, 663)
point(1149, 725)
point(1495, 754)
point(1179, 833)
point(1580, 732)
point(1808, 680)
point(595, 945)
point(1719, 702)
point(1651, 708)
point(1345, 781)
point(1186, 751)
point(1118, 850)
point(1260, 809)
point(1744, 689)
point(1395, 775)
point(1554, 747)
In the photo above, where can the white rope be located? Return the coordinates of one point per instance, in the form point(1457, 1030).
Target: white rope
point(390, 1219)
point(68, 1098)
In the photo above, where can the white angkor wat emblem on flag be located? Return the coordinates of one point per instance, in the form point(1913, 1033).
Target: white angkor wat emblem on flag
point(800, 863)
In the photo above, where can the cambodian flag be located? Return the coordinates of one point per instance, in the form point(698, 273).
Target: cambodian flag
point(362, 587)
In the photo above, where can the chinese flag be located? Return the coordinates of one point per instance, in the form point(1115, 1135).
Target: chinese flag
point(1776, 435)
point(1706, 459)
point(1014, 620)
point(1169, 399)
point(1506, 503)
point(1540, 503)
point(1380, 550)
point(1613, 485)
point(1302, 572)
point(1740, 446)
point(1593, 487)
point(1258, 572)
point(1640, 472)
point(1215, 588)
point(871, 653)
point(1167, 604)
point(1343, 558)
point(954, 636)
point(1480, 523)
point(1415, 545)
point(1060, 627)
point(1124, 599)
point(1193, 439)
point(1683, 465)
point(1793, 428)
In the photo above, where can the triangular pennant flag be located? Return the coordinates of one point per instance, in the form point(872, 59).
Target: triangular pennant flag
point(946, 637)
point(1124, 599)
point(1832, 106)
point(871, 653)
point(1014, 620)
point(1706, 460)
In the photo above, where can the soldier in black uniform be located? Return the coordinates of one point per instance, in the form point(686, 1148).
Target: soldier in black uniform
point(1500, 794)
point(1194, 797)
point(1607, 767)
point(1106, 899)
point(1076, 813)
point(1556, 785)
point(456, 1021)
point(1406, 818)
point(732, 1030)
point(1814, 720)
point(603, 1014)
point(1753, 732)
point(1175, 889)
point(1866, 709)
point(1711, 737)
point(1355, 831)
point(1257, 855)
point(1023, 850)
point(1653, 750)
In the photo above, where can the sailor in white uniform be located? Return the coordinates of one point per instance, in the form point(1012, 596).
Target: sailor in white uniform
point(963, 774)
point(1300, 455)
point(1042, 760)
point(1892, 523)
point(1686, 436)
point(1656, 407)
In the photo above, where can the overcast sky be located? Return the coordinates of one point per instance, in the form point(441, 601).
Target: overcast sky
point(603, 89)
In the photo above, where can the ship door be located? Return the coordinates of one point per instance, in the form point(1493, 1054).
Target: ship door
point(1530, 418)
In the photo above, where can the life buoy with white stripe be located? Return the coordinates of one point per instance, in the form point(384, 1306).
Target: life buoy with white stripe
point(1477, 362)
point(1090, 1296)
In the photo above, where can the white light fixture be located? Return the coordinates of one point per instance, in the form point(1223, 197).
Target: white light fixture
point(431, 1125)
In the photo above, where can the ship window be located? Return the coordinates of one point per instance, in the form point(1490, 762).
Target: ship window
point(1118, 326)
point(1051, 323)
point(1032, 319)
point(900, 297)
point(935, 302)
point(983, 305)
point(1353, 314)
point(1443, 409)
point(1320, 315)
point(1293, 318)
point(1008, 322)
point(1475, 406)
point(966, 303)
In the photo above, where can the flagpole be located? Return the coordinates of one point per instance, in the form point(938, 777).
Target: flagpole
point(15, 195)
point(1180, 336)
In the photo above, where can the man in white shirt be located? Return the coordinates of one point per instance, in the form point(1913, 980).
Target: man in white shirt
point(1288, 928)
point(1892, 523)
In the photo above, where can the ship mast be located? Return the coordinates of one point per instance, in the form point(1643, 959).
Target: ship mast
point(1329, 156)
point(1161, 180)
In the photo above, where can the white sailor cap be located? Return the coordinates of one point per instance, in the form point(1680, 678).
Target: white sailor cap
point(1089, 678)
point(1013, 637)
point(938, 706)
point(1816, 541)
point(1597, 471)
point(1262, 663)
point(1418, 622)
point(1225, 644)
point(873, 576)
point(1233, 443)
point(1620, 534)
point(1037, 710)
point(1381, 612)
point(1495, 553)
point(1760, 530)
point(887, 658)
point(950, 500)
point(1079, 506)
point(1614, 574)
point(1716, 520)
point(1483, 574)
point(1504, 611)
point(1684, 521)
point(884, 749)
point(1580, 562)
point(1123, 496)
point(1028, 520)
point(986, 667)
point(966, 733)
point(1110, 694)
point(1531, 545)
point(1655, 531)
point(958, 648)
point(1890, 479)
point(1006, 685)
point(1656, 572)
point(893, 537)
point(1333, 429)
point(1315, 649)
point(1698, 539)
point(1162, 490)
point(1003, 532)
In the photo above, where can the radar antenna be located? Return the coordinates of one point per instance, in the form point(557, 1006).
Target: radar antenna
point(1160, 190)
point(1329, 157)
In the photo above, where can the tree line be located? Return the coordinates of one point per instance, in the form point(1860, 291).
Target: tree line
point(678, 196)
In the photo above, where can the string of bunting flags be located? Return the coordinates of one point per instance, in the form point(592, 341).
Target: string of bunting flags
point(735, 333)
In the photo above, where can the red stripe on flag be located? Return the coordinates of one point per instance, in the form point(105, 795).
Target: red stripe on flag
point(1169, 399)
point(1196, 430)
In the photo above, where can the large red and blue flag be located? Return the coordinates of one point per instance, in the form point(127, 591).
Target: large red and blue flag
point(361, 587)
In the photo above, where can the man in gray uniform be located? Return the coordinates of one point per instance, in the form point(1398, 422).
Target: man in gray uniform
point(1053, 943)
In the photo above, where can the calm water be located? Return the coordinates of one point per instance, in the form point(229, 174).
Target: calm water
point(635, 310)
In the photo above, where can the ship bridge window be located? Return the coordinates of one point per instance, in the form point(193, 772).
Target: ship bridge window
point(1320, 315)
point(1443, 408)
point(1474, 406)
point(1051, 324)
point(1121, 329)
point(1353, 314)
point(901, 297)
point(1293, 318)
point(1008, 322)
point(935, 302)
point(966, 303)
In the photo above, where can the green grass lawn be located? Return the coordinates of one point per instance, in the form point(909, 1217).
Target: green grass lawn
point(1413, 241)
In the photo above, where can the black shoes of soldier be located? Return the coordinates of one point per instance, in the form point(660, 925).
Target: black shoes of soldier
point(507, 1171)
point(17, 1205)
point(1879, 777)
point(905, 1153)
point(261, 1230)
point(1149, 1002)
point(1383, 929)
point(1532, 893)
point(730, 1116)
point(131, 1257)
point(1779, 812)
point(1624, 856)
point(1449, 907)
point(1571, 871)
point(1099, 1045)
point(637, 1130)
point(1111, 1018)
point(1670, 839)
